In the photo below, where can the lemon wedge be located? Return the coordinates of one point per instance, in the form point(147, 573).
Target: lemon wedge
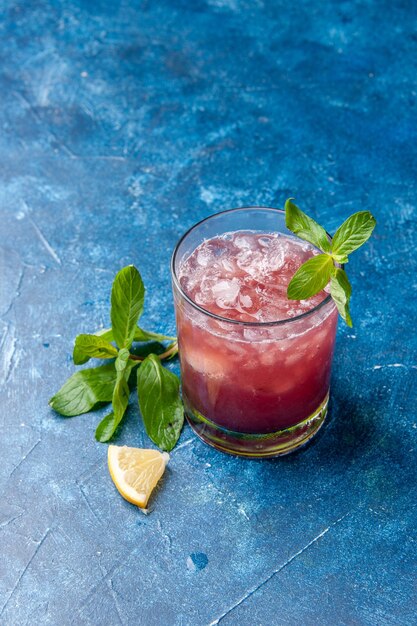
point(136, 471)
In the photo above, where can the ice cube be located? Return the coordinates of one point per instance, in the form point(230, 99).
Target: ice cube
point(206, 361)
point(275, 256)
point(245, 301)
point(253, 334)
point(245, 242)
point(244, 258)
point(199, 298)
point(271, 313)
point(237, 348)
point(252, 262)
point(204, 256)
point(226, 292)
point(228, 265)
point(185, 283)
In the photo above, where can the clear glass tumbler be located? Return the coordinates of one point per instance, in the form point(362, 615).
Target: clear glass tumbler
point(255, 389)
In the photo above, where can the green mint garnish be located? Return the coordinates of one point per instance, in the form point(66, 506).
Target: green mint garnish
point(120, 398)
point(311, 277)
point(85, 391)
point(160, 403)
point(340, 289)
point(352, 234)
point(89, 389)
point(305, 227)
point(127, 299)
point(92, 346)
point(315, 273)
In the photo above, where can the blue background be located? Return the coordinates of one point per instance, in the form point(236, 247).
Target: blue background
point(122, 124)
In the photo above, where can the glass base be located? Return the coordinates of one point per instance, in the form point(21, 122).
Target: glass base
point(257, 446)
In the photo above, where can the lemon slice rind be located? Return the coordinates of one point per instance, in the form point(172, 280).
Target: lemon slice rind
point(146, 465)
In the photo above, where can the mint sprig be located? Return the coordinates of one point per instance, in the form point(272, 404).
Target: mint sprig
point(315, 273)
point(89, 389)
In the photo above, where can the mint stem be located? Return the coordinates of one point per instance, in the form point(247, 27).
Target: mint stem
point(171, 350)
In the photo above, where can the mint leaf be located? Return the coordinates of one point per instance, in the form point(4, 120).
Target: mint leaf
point(352, 234)
point(305, 227)
point(340, 289)
point(127, 299)
point(120, 399)
point(105, 333)
point(84, 391)
point(106, 428)
point(146, 335)
point(310, 278)
point(92, 346)
point(160, 403)
point(80, 357)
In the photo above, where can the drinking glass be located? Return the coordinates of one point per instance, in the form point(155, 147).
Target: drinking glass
point(255, 389)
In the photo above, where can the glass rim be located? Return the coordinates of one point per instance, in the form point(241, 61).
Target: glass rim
point(220, 318)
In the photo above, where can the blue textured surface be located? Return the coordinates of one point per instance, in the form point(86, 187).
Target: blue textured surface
point(122, 124)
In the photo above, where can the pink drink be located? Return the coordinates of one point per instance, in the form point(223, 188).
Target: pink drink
point(268, 367)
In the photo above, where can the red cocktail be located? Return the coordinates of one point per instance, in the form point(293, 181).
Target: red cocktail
point(255, 366)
